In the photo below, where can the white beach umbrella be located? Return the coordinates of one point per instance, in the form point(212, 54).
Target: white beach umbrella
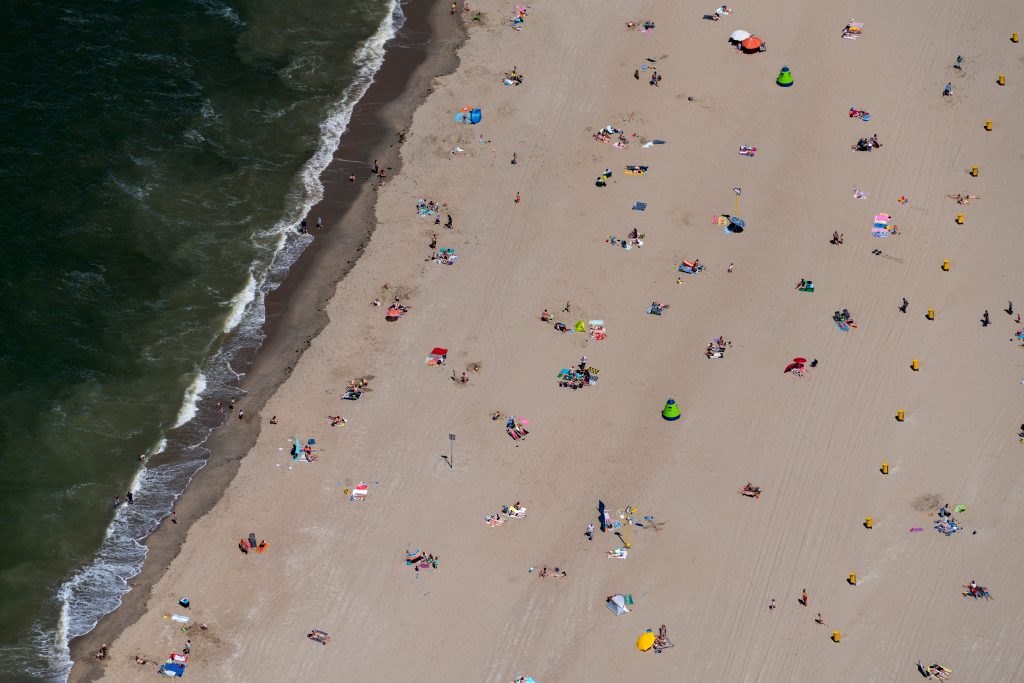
point(738, 35)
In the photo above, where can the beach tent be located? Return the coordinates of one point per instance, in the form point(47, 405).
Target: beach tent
point(739, 35)
point(437, 356)
point(736, 224)
point(617, 604)
point(475, 116)
point(645, 642)
point(580, 326)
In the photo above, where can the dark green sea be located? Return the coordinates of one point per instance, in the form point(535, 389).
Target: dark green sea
point(157, 156)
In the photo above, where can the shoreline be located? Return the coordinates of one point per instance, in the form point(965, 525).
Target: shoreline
point(425, 47)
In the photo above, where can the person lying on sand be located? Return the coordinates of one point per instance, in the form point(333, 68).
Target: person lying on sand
point(963, 198)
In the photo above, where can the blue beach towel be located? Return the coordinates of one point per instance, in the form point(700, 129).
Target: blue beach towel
point(639, 206)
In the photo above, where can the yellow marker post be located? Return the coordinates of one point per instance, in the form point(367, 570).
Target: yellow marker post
point(1001, 80)
point(869, 522)
point(930, 314)
point(885, 468)
point(945, 265)
point(974, 171)
point(959, 219)
point(915, 365)
point(988, 125)
point(899, 416)
point(853, 579)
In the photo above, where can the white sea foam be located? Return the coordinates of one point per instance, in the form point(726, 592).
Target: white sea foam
point(98, 588)
point(240, 302)
point(192, 395)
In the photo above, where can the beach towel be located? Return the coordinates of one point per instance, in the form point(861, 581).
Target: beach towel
point(880, 228)
point(173, 669)
point(180, 618)
point(640, 206)
point(747, 151)
point(842, 326)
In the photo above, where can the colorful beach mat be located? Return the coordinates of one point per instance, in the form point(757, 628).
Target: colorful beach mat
point(881, 225)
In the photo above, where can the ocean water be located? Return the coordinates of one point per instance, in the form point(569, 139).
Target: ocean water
point(156, 158)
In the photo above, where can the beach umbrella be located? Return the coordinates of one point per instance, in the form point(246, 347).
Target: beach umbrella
point(793, 366)
point(645, 642)
point(799, 360)
point(751, 43)
point(736, 224)
point(738, 35)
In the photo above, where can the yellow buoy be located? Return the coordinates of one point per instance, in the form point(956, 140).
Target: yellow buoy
point(974, 171)
point(869, 522)
point(899, 416)
point(1001, 80)
point(853, 579)
point(959, 219)
point(988, 125)
point(930, 314)
point(885, 468)
point(915, 365)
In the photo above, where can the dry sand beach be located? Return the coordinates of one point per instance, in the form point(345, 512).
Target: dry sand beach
point(814, 444)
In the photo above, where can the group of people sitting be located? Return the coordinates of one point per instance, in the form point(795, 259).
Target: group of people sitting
point(662, 641)
point(976, 591)
point(844, 316)
point(336, 421)
point(517, 510)
point(963, 199)
point(656, 308)
point(421, 560)
point(716, 349)
point(858, 113)
point(513, 77)
point(750, 491)
point(245, 545)
point(322, 637)
point(515, 429)
point(557, 573)
point(355, 389)
point(867, 144)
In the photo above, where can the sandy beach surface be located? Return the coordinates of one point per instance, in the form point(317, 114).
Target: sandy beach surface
point(713, 560)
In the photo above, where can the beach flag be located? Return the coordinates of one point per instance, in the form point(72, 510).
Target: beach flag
point(580, 326)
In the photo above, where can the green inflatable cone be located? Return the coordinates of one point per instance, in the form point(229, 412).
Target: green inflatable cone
point(785, 78)
point(671, 411)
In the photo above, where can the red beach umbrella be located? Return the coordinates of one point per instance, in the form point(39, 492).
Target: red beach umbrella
point(793, 366)
point(751, 43)
point(799, 360)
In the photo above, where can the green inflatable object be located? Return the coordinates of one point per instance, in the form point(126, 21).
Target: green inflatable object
point(671, 411)
point(785, 78)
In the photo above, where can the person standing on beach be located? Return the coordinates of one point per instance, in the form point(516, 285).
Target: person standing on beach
point(515, 158)
point(819, 619)
point(449, 223)
point(131, 498)
point(590, 532)
point(803, 597)
point(319, 221)
point(984, 318)
point(174, 516)
point(1009, 308)
point(241, 414)
point(517, 197)
point(903, 306)
point(771, 605)
point(731, 266)
point(452, 10)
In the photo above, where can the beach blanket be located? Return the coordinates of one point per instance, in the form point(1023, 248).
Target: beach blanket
point(880, 228)
point(180, 618)
point(842, 326)
point(946, 527)
point(172, 669)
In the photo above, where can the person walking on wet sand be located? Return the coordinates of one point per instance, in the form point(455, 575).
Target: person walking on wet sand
point(803, 597)
point(984, 318)
point(517, 197)
point(771, 605)
point(903, 306)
